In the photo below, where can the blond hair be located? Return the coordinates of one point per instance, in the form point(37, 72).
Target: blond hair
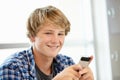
point(43, 15)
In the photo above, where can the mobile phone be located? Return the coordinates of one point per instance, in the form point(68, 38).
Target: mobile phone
point(84, 61)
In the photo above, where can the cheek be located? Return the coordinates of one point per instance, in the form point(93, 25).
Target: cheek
point(38, 41)
point(41, 40)
point(62, 40)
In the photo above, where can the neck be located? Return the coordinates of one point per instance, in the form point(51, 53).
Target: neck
point(44, 63)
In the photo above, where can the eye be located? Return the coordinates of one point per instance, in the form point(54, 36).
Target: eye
point(61, 34)
point(48, 33)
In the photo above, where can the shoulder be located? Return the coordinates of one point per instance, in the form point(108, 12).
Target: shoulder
point(63, 59)
point(13, 61)
point(17, 61)
point(19, 58)
point(16, 64)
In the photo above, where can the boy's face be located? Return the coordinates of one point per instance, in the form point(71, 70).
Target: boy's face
point(49, 40)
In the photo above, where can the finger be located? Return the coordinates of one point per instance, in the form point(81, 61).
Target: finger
point(75, 78)
point(85, 70)
point(87, 77)
point(77, 67)
point(91, 58)
point(75, 70)
point(87, 74)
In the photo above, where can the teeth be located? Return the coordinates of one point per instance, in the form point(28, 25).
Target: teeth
point(53, 46)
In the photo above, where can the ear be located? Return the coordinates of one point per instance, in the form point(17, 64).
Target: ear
point(32, 39)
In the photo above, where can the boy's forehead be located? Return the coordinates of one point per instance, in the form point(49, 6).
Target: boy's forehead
point(51, 26)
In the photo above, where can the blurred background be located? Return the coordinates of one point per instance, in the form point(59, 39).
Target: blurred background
point(95, 30)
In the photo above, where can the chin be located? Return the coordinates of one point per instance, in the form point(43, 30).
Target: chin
point(53, 55)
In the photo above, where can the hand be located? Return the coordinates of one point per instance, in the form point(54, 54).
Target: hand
point(86, 74)
point(69, 73)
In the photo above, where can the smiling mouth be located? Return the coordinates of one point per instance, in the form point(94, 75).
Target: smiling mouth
point(53, 47)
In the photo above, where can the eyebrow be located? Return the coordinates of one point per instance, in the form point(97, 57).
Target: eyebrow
point(52, 30)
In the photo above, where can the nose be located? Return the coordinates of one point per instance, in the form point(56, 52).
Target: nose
point(55, 38)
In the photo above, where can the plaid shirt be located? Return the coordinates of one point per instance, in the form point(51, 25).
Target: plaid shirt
point(21, 66)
